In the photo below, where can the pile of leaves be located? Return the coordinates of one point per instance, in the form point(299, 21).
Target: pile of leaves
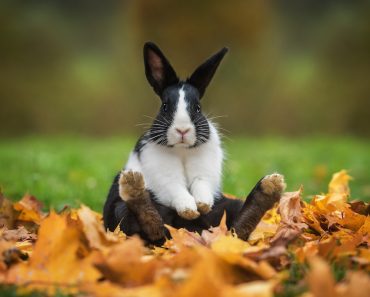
point(320, 248)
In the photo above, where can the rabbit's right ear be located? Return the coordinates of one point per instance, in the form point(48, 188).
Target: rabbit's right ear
point(158, 70)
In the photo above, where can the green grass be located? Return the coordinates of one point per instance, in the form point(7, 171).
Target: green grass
point(74, 170)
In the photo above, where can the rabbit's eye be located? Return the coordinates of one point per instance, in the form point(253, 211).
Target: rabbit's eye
point(197, 108)
point(165, 107)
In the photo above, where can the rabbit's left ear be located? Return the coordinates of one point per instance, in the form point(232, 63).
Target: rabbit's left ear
point(202, 76)
point(158, 70)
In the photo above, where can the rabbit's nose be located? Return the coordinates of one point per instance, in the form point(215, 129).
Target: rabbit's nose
point(183, 131)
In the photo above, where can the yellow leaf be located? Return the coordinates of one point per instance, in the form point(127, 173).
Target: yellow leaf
point(266, 228)
point(232, 250)
point(93, 229)
point(338, 187)
point(125, 263)
point(30, 209)
point(208, 277)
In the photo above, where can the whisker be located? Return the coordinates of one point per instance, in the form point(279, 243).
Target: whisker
point(200, 119)
point(158, 120)
point(156, 132)
point(159, 126)
point(223, 129)
point(142, 124)
point(216, 117)
point(149, 117)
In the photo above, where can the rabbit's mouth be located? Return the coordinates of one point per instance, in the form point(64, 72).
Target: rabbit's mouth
point(177, 139)
point(183, 142)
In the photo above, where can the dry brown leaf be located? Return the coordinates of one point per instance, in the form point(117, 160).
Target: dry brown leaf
point(19, 234)
point(7, 213)
point(291, 224)
point(360, 207)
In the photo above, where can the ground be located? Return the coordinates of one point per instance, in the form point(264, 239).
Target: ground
point(74, 170)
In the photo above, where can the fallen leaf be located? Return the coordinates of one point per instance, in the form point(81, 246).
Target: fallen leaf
point(30, 209)
point(126, 264)
point(7, 213)
point(320, 280)
point(339, 183)
point(93, 229)
point(19, 234)
point(291, 224)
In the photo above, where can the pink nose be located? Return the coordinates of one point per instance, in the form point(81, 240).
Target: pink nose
point(182, 132)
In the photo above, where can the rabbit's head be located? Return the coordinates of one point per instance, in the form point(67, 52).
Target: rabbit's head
point(180, 121)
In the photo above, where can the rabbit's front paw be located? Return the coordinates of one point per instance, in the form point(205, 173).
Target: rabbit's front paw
point(203, 196)
point(203, 208)
point(131, 185)
point(188, 214)
point(187, 209)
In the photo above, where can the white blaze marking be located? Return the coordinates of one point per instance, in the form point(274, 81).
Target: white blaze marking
point(182, 119)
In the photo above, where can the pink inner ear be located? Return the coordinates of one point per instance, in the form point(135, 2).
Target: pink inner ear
point(156, 66)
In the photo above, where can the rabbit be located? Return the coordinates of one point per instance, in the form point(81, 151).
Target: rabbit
point(173, 175)
point(180, 156)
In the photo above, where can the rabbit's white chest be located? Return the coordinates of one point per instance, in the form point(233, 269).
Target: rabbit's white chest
point(174, 175)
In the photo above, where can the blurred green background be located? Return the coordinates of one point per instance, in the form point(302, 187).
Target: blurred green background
point(293, 92)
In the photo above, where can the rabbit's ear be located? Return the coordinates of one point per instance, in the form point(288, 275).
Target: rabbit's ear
point(158, 70)
point(202, 76)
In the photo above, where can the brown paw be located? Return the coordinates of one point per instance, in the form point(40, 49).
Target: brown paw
point(203, 208)
point(131, 185)
point(188, 214)
point(273, 184)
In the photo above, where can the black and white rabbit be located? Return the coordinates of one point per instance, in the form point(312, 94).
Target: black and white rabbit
point(180, 156)
point(173, 176)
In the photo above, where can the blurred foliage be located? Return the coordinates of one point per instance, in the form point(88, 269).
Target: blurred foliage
point(295, 67)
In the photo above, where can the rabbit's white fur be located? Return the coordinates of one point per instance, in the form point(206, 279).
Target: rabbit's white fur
point(181, 177)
